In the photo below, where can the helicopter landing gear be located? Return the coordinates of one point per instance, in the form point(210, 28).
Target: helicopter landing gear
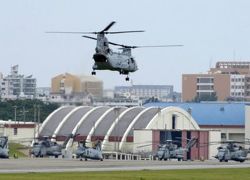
point(127, 78)
point(93, 73)
point(180, 159)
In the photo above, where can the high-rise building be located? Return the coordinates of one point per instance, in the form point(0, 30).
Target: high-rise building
point(228, 81)
point(15, 85)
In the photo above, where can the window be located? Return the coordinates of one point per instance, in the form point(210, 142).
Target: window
point(223, 136)
point(173, 121)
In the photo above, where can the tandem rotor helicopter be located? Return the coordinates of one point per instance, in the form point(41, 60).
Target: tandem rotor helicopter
point(107, 59)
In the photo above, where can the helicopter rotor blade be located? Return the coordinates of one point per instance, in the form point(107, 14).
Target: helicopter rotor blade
point(89, 37)
point(115, 44)
point(69, 32)
point(134, 47)
point(108, 27)
point(178, 45)
point(119, 32)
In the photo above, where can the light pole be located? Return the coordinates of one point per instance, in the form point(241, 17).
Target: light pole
point(24, 114)
point(34, 122)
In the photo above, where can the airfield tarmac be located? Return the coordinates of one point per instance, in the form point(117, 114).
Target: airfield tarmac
point(72, 165)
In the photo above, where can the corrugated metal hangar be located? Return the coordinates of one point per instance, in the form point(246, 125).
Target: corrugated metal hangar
point(123, 129)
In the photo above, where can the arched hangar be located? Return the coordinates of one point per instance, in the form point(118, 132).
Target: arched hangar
point(115, 126)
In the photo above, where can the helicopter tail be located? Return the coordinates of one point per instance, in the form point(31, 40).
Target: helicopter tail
point(98, 145)
point(71, 136)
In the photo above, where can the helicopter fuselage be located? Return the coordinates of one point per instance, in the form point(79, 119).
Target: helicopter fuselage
point(89, 153)
point(114, 61)
point(41, 149)
point(235, 154)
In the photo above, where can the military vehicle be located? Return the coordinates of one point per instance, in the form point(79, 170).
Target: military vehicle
point(107, 59)
point(170, 150)
point(46, 147)
point(231, 150)
point(84, 152)
point(4, 150)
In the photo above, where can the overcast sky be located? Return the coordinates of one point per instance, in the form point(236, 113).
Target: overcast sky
point(210, 31)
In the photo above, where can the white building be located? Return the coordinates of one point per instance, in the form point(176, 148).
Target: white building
point(18, 132)
point(15, 86)
point(145, 91)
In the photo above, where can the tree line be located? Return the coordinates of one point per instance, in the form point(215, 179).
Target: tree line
point(26, 110)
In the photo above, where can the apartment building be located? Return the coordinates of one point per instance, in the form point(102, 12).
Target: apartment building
point(16, 85)
point(228, 81)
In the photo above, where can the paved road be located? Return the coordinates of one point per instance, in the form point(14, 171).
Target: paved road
point(63, 165)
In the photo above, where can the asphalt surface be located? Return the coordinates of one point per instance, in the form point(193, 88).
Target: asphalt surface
point(73, 165)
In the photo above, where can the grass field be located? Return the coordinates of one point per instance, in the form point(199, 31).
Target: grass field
point(16, 149)
point(204, 174)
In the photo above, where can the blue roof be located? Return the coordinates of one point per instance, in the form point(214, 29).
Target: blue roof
point(211, 113)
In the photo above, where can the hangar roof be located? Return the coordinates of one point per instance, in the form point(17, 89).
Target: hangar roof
point(72, 120)
point(211, 113)
point(54, 121)
point(90, 120)
point(125, 121)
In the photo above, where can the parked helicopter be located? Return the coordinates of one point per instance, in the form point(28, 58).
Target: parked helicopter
point(4, 150)
point(106, 59)
point(89, 153)
point(232, 151)
point(171, 151)
point(46, 147)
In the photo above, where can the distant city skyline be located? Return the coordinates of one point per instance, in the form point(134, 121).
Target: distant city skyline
point(210, 31)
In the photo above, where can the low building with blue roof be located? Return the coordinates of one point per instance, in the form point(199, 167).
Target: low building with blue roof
point(229, 117)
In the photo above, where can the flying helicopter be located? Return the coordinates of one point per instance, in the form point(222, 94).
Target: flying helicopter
point(89, 153)
point(231, 150)
point(107, 59)
point(4, 150)
point(46, 147)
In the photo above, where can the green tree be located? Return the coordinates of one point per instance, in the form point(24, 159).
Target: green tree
point(25, 109)
point(205, 97)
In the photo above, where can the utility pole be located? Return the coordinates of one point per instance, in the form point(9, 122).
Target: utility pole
point(15, 113)
point(24, 114)
point(38, 118)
